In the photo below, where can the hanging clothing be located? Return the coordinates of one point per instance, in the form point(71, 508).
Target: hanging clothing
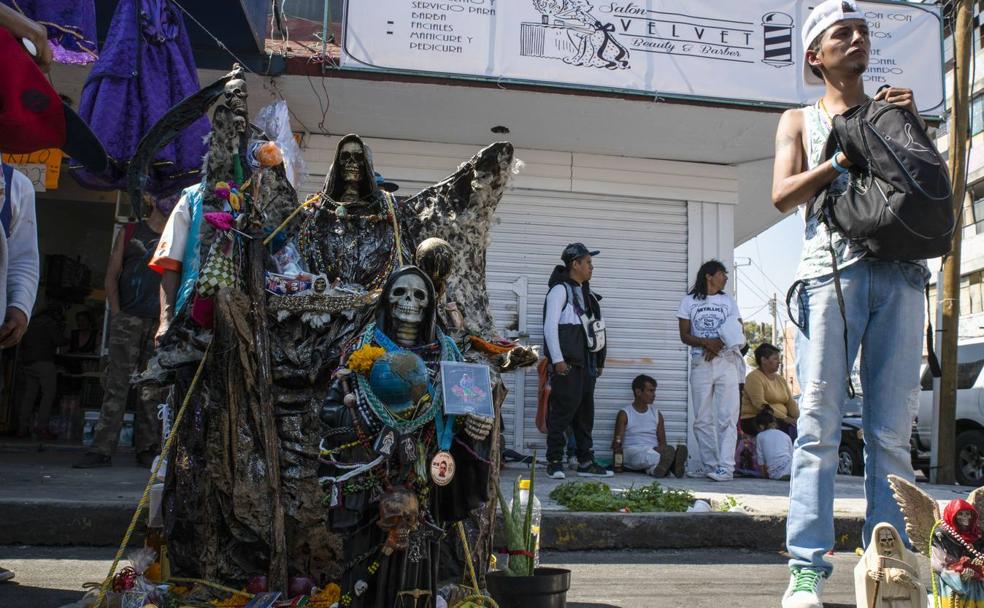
point(71, 26)
point(145, 68)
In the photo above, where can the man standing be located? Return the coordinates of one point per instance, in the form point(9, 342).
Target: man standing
point(133, 291)
point(883, 312)
point(575, 338)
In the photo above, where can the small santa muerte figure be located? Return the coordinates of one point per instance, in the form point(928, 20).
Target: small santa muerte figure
point(888, 574)
point(298, 457)
point(951, 541)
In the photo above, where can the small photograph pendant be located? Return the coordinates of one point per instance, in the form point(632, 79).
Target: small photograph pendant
point(442, 468)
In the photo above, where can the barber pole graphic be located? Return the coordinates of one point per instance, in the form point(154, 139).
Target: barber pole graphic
point(777, 32)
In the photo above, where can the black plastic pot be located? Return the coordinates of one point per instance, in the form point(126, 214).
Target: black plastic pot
point(547, 588)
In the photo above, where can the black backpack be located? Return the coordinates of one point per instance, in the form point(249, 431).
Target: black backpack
point(898, 205)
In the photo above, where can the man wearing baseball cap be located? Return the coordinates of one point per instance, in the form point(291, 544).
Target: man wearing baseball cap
point(883, 311)
point(574, 333)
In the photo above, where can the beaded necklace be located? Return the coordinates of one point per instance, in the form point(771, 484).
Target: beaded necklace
point(978, 556)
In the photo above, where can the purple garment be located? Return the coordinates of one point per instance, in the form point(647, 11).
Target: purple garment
point(145, 67)
point(71, 26)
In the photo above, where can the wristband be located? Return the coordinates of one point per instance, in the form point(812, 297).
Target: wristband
point(836, 165)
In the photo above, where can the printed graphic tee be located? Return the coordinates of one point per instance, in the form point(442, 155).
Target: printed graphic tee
point(706, 316)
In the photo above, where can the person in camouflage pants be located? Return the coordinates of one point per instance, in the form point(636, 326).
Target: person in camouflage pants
point(133, 292)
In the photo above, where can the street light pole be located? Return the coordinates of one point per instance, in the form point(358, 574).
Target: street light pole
point(944, 470)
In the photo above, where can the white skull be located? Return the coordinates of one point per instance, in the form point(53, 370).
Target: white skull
point(408, 298)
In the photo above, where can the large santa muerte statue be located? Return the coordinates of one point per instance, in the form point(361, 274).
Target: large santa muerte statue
point(316, 447)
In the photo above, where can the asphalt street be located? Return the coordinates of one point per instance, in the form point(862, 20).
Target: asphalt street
point(50, 577)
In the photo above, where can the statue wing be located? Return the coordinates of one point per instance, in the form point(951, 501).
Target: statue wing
point(460, 210)
point(920, 510)
point(976, 498)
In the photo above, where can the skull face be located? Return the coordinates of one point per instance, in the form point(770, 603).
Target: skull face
point(235, 100)
point(408, 299)
point(399, 514)
point(963, 519)
point(886, 541)
point(351, 159)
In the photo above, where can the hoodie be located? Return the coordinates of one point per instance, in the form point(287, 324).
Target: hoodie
point(563, 333)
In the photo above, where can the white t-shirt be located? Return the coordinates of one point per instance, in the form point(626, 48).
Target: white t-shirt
point(640, 429)
point(169, 254)
point(706, 316)
point(19, 258)
point(774, 449)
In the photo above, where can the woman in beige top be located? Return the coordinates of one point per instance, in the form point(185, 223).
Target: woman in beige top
point(764, 386)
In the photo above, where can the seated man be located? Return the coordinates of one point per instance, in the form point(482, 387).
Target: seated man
point(774, 448)
point(640, 434)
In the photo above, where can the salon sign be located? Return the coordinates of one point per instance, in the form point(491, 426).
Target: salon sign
point(746, 52)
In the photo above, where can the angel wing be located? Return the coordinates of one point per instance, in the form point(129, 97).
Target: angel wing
point(920, 510)
point(976, 498)
point(460, 210)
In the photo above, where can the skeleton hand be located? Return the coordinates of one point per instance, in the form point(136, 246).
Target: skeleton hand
point(877, 575)
point(897, 576)
point(966, 574)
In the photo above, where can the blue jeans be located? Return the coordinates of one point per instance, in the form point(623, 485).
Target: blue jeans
point(884, 312)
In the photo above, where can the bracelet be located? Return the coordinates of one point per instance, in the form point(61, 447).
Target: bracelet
point(836, 165)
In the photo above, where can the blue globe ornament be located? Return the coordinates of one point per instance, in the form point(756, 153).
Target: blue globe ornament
point(398, 379)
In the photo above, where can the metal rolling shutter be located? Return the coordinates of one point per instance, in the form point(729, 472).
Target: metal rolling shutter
point(641, 274)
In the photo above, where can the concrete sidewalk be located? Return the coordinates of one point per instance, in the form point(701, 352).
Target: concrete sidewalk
point(43, 501)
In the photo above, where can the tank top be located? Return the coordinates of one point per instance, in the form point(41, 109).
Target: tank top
point(640, 432)
point(817, 239)
point(139, 285)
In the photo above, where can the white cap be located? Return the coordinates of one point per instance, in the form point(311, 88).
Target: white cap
point(823, 16)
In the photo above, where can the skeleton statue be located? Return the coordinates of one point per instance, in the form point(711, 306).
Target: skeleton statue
point(407, 301)
point(951, 539)
point(399, 515)
point(888, 574)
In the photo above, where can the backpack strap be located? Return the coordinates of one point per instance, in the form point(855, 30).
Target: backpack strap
point(931, 359)
point(851, 393)
point(7, 211)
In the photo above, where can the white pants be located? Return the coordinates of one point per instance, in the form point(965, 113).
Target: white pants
point(714, 392)
point(640, 459)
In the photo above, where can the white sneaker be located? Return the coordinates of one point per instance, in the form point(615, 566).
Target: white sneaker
point(804, 590)
point(697, 473)
point(720, 474)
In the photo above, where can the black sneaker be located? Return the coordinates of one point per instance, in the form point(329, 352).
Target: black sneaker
point(593, 469)
point(92, 460)
point(555, 470)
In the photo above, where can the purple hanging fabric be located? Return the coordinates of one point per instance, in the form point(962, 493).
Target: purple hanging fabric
point(71, 26)
point(145, 67)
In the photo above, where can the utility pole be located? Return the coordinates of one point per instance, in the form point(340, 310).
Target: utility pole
point(774, 309)
point(943, 471)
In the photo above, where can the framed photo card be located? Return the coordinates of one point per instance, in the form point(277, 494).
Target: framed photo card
point(467, 389)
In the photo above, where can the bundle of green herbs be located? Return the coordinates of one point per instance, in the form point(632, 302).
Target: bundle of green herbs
point(598, 497)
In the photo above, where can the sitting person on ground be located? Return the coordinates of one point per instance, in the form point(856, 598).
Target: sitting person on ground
point(766, 387)
point(640, 434)
point(774, 448)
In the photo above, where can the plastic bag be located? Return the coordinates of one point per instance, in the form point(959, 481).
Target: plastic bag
point(274, 119)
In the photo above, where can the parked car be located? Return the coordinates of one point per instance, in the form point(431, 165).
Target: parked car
point(969, 444)
point(850, 453)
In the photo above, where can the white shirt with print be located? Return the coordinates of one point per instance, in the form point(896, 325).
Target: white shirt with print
point(706, 316)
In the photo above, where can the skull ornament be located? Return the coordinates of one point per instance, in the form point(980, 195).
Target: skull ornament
point(351, 158)
point(886, 541)
point(235, 100)
point(408, 299)
point(399, 514)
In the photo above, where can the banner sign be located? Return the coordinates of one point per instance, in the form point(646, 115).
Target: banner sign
point(746, 52)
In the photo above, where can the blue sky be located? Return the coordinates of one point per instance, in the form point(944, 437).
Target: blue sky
point(765, 265)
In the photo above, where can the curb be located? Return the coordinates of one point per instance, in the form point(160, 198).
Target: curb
point(103, 524)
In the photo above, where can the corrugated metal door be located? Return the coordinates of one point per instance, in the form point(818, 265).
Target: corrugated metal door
point(641, 274)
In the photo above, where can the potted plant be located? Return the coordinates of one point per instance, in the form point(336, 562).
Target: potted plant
point(521, 584)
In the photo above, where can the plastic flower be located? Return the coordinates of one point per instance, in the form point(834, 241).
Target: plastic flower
point(361, 360)
point(331, 594)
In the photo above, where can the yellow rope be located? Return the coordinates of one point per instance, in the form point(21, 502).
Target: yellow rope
point(150, 482)
point(478, 597)
point(293, 214)
point(200, 581)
